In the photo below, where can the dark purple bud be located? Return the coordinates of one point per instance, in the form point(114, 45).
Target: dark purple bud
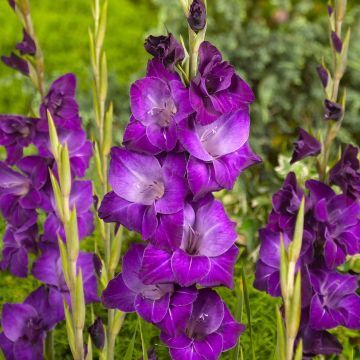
point(306, 145)
point(333, 111)
point(323, 75)
point(166, 49)
point(97, 333)
point(337, 43)
point(150, 354)
point(330, 10)
point(27, 45)
point(197, 15)
point(12, 3)
point(97, 265)
point(17, 63)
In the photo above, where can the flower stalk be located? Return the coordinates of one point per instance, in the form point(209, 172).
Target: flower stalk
point(290, 282)
point(104, 119)
point(36, 63)
point(70, 251)
point(340, 48)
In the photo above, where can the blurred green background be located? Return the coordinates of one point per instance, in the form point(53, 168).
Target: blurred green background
point(274, 44)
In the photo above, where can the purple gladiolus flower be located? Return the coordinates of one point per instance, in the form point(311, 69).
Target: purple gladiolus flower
point(286, 203)
point(16, 247)
point(48, 269)
point(60, 102)
point(197, 15)
point(206, 331)
point(333, 111)
point(306, 145)
point(17, 63)
point(143, 187)
point(158, 102)
point(336, 220)
point(166, 49)
point(217, 89)
point(25, 325)
point(335, 301)
point(27, 46)
point(346, 174)
point(218, 151)
point(12, 3)
point(16, 132)
point(205, 253)
point(128, 293)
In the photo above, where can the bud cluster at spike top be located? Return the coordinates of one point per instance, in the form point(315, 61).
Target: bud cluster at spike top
point(180, 145)
point(331, 233)
point(25, 191)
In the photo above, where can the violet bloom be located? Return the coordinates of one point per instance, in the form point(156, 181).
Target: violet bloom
point(128, 293)
point(206, 253)
point(335, 301)
point(286, 203)
point(16, 132)
point(209, 330)
point(267, 275)
point(158, 102)
point(306, 145)
point(16, 247)
point(346, 174)
point(17, 63)
point(166, 49)
point(80, 198)
point(337, 43)
point(48, 269)
point(27, 46)
point(25, 325)
point(218, 151)
point(336, 221)
point(143, 188)
point(60, 102)
point(197, 15)
point(12, 3)
point(217, 89)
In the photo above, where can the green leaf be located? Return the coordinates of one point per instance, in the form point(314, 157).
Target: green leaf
point(116, 250)
point(130, 350)
point(54, 140)
point(79, 308)
point(144, 350)
point(295, 246)
point(283, 268)
point(69, 328)
point(108, 130)
point(89, 354)
point(57, 195)
point(72, 236)
point(281, 343)
point(248, 312)
point(299, 351)
point(65, 171)
point(295, 310)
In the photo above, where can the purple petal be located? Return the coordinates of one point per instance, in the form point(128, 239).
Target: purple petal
point(118, 296)
point(210, 347)
point(17, 63)
point(14, 319)
point(187, 353)
point(184, 296)
point(320, 318)
point(135, 177)
point(216, 229)
point(221, 269)
point(156, 266)
point(188, 269)
point(152, 310)
point(131, 267)
point(7, 347)
point(115, 209)
point(175, 320)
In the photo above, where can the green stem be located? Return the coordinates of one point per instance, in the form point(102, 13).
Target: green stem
point(49, 352)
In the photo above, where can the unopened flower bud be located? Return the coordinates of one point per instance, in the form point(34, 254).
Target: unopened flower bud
point(333, 111)
point(97, 333)
point(197, 15)
point(27, 45)
point(323, 75)
point(16, 63)
point(337, 43)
